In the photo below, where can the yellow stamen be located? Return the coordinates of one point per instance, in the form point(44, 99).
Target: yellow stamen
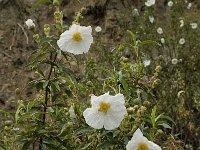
point(142, 146)
point(104, 106)
point(77, 36)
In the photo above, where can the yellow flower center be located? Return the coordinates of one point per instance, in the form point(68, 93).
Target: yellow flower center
point(142, 146)
point(104, 106)
point(77, 36)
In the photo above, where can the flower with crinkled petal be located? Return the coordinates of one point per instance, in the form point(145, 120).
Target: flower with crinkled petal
point(162, 40)
point(149, 3)
point(76, 40)
point(146, 63)
point(174, 61)
point(98, 29)
point(189, 5)
point(170, 3)
point(30, 23)
point(151, 19)
point(160, 30)
point(193, 25)
point(107, 111)
point(182, 41)
point(181, 23)
point(140, 142)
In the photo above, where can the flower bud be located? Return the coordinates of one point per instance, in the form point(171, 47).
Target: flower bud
point(146, 103)
point(89, 83)
point(69, 125)
point(83, 10)
point(36, 38)
point(156, 83)
point(136, 101)
point(158, 68)
point(56, 2)
point(47, 29)
point(20, 103)
point(124, 59)
point(130, 110)
point(6, 128)
point(58, 16)
point(135, 107)
point(159, 132)
point(17, 91)
point(143, 109)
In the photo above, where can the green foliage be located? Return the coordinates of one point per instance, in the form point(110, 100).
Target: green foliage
point(64, 82)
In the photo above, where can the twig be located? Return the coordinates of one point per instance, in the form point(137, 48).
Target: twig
point(6, 54)
point(46, 96)
point(13, 40)
point(24, 32)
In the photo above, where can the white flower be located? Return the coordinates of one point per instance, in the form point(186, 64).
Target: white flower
point(179, 93)
point(140, 142)
point(162, 40)
point(76, 40)
point(30, 23)
point(181, 23)
point(107, 111)
point(146, 63)
point(151, 19)
point(193, 25)
point(174, 61)
point(98, 29)
point(182, 41)
point(135, 12)
point(71, 112)
point(149, 3)
point(189, 5)
point(170, 3)
point(160, 30)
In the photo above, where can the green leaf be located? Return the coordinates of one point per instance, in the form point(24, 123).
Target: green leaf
point(167, 117)
point(45, 84)
point(26, 145)
point(165, 125)
point(82, 130)
point(40, 2)
point(133, 36)
point(105, 144)
point(148, 42)
point(124, 84)
point(1, 146)
point(86, 147)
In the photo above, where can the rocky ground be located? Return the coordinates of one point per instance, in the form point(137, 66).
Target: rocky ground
point(16, 44)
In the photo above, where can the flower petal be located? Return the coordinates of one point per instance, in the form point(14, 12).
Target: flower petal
point(153, 146)
point(94, 118)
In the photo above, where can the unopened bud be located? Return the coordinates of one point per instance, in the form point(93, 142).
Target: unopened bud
point(143, 109)
point(47, 29)
point(17, 91)
point(159, 132)
point(136, 101)
point(89, 83)
point(58, 16)
point(83, 10)
point(158, 68)
point(156, 83)
point(130, 110)
point(146, 103)
point(36, 38)
point(56, 2)
point(124, 59)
